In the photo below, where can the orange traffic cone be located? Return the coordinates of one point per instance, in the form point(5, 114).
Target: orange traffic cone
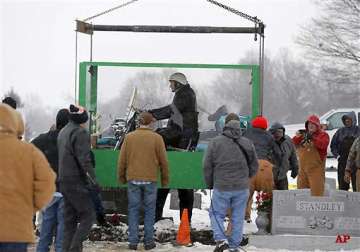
point(183, 235)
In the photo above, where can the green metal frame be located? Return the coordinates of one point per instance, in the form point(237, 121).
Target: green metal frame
point(185, 167)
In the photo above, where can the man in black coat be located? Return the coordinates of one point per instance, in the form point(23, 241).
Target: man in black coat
point(340, 147)
point(76, 173)
point(53, 218)
point(181, 130)
point(182, 113)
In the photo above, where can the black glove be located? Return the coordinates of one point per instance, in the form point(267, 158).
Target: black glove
point(294, 173)
point(306, 138)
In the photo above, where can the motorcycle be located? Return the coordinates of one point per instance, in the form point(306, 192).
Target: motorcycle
point(131, 124)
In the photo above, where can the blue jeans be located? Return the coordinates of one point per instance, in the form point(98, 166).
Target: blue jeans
point(13, 247)
point(221, 201)
point(134, 199)
point(52, 223)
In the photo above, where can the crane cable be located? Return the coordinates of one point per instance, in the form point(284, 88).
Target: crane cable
point(236, 12)
point(255, 20)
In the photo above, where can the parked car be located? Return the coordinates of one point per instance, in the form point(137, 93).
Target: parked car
point(331, 122)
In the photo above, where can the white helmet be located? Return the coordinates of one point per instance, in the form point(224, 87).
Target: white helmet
point(179, 77)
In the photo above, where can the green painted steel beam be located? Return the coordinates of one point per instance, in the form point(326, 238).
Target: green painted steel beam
point(185, 169)
point(93, 98)
point(82, 84)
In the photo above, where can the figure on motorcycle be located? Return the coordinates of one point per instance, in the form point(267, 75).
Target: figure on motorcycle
point(181, 132)
point(182, 114)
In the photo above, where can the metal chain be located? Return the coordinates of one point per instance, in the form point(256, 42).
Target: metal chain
point(239, 13)
point(110, 10)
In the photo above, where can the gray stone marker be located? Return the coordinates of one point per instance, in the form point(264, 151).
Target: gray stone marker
point(174, 200)
point(296, 212)
point(330, 184)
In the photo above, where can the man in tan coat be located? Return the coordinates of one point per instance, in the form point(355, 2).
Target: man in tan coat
point(142, 156)
point(27, 184)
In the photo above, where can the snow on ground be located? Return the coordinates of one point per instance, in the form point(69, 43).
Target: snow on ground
point(116, 247)
point(200, 220)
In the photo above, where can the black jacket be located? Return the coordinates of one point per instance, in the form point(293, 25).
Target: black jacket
point(265, 145)
point(74, 141)
point(47, 143)
point(185, 107)
point(344, 137)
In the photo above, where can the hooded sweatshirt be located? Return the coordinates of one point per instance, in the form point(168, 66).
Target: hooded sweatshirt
point(288, 154)
point(339, 146)
point(27, 182)
point(225, 164)
point(319, 138)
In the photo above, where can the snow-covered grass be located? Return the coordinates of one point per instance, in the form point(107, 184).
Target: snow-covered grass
point(201, 221)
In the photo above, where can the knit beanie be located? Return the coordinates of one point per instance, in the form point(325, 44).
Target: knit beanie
point(230, 117)
point(145, 118)
point(260, 122)
point(78, 114)
point(62, 118)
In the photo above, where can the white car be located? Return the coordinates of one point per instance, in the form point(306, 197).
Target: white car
point(331, 122)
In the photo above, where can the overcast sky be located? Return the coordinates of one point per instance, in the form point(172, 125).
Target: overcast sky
point(37, 38)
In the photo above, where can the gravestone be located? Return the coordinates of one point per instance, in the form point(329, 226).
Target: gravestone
point(174, 200)
point(297, 212)
point(330, 184)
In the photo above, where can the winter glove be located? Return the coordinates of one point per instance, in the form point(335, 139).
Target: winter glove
point(294, 173)
point(306, 138)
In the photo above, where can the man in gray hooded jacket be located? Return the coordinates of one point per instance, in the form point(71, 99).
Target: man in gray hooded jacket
point(340, 147)
point(230, 161)
point(288, 160)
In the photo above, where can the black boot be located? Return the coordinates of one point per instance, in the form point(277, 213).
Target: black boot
point(221, 246)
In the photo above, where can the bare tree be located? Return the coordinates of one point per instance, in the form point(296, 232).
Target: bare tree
point(153, 91)
point(294, 89)
point(332, 40)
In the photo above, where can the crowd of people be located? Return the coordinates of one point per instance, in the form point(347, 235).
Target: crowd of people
point(55, 174)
